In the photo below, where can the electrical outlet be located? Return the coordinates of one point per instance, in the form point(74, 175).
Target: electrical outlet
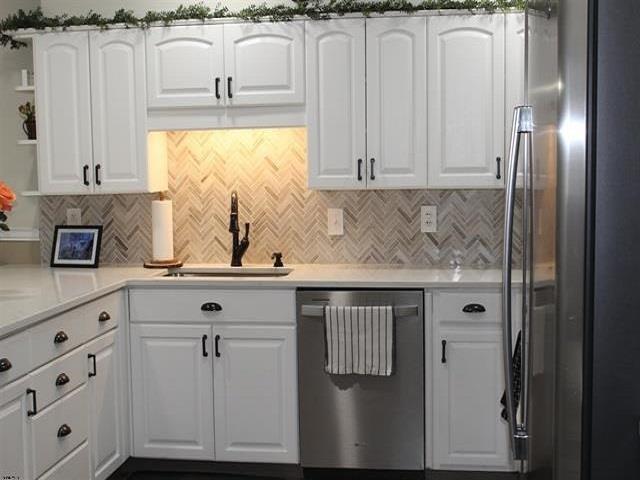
point(428, 219)
point(74, 216)
point(335, 221)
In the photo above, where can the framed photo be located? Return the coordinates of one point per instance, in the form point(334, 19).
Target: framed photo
point(76, 246)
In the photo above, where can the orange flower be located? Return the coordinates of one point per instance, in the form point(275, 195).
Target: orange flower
point(7, 197)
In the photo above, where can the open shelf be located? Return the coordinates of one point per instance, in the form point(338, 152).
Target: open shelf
point(27, 142)
point(30, 193)
point(20, 235)
point(29, 88)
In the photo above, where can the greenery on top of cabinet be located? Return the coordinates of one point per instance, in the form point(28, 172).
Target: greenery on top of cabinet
point(313, 9)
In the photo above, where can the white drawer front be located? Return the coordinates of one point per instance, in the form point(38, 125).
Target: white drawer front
point(15, 356)
point(104, 314)
point(48, 447)
point(56, 379)
point(76, 466)
point(450, 306)
point(186, 305)
point(58, 336)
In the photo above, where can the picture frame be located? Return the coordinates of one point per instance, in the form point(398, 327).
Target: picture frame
point(76, 246)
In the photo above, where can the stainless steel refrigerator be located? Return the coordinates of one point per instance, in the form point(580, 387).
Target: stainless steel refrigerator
point(544, 215)
point(572, 224)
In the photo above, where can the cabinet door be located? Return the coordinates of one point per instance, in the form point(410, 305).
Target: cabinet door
point(185, 64)
point(336, 104)
point(466, 101)
point(172, 391)
point(14, 434)
point(469, 433)
point(61, 63)
point(109, 419)
point(514, 78)
point(255, 388)
point(119, 111)
point(397, 102)
point(264, 63)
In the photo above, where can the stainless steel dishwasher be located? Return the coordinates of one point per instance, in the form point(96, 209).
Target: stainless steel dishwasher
point(357, 421)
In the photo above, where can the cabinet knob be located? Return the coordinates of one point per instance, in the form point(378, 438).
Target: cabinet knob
point(62, 379)
point(474, 308)
point(104, 317)
point(211, 307)
point(5, 364)
point(60, 337)
point(64, 430)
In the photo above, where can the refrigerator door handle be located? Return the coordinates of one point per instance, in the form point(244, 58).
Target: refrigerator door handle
point(522, 125)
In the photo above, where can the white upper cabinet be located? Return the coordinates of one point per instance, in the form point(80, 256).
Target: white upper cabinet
point(397, 102)
point(255, 394)
point(264, 63)
point(61, 62)
point(119, 112)
point(185, 66)
point(336, 104)
point(466, 101)
point(514, 77)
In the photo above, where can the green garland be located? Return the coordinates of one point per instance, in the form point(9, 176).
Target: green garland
point(313, 9)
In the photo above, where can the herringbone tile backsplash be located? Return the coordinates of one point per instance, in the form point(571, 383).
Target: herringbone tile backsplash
point(268, 169)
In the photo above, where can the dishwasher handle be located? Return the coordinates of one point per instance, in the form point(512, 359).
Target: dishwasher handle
point(399, 311)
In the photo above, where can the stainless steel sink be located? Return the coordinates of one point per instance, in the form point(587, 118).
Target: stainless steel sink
point(225, 271)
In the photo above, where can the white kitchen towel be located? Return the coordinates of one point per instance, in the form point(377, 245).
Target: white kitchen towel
point(359, 340)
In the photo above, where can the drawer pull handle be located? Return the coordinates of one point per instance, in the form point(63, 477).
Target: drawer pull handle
point(34, 403)
point(474, 308)
point(62, 379)
point(5, 365)
point(104, 317)
point(444, 352)
point(60, 337)
point(92, 357)
point(64, 430)
point(211, 307)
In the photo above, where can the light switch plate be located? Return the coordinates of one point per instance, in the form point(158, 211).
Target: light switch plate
point(74, 216)
point(428, 219)
point(335, 221)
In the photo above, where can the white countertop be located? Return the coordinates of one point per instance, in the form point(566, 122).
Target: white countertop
point(30, 294)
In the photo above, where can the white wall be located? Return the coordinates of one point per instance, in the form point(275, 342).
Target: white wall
point(140, 7)
point(17, 163)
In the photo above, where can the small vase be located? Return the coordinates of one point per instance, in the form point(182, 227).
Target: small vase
point(29, 127)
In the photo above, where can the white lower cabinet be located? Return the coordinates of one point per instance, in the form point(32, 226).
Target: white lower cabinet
point(172, 375)
point(468, 382)
point(108, 411)
point(14, 430)
point(255, 394)
point(76, 466)
point(221, 385)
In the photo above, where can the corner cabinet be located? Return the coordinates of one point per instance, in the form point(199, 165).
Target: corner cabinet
point(366, 103)
point(91, 114)
point(466, 82)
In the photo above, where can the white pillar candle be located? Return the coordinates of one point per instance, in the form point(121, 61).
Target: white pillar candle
point(25, 78)
point(162, 225)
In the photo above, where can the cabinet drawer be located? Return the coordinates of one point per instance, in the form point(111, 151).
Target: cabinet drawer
point(242, 305)
point(56, 379)
point(58, 336)
point(76, 466)
point(48, 446)
point(450, 306)
point(15, 356)
point(103, 314)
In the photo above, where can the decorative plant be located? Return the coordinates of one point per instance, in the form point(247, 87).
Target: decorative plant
point(28, 111)
point(7, 197)
point(313, 9)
